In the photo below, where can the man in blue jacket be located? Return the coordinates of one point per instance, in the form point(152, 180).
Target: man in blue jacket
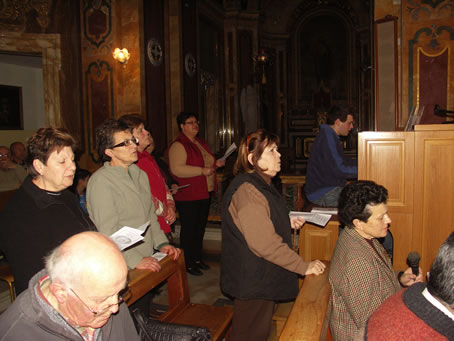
point(328, 168)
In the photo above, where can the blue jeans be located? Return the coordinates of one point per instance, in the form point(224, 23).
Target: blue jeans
point(330, 199)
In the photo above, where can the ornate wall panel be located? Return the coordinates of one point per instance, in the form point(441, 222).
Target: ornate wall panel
point(98, 90)
point(99, 101)
point(428, 36)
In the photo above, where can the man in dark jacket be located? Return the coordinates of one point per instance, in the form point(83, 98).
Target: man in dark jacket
point(77, 297)
point(328, 168)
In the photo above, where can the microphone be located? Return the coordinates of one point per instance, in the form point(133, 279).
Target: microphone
point(413, 262)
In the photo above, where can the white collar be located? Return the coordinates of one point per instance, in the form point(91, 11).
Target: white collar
point(437, 304)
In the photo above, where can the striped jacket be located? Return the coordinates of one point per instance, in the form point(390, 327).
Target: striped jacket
point(360, 281)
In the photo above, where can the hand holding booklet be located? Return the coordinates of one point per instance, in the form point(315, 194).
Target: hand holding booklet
point(229, 151)
point(311, 217)
point(127, 236)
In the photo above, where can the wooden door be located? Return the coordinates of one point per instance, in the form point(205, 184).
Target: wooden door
point(388, 159)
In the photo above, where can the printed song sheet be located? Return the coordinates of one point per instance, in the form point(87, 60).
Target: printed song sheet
point(314, 218)
point(127, 236)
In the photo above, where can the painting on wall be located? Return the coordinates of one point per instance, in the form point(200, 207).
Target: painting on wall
point(11, 108)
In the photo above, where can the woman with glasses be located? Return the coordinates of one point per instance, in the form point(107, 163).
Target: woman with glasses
point(118, 194)
point(162, 198)
point(42, 213)
point(192, 164)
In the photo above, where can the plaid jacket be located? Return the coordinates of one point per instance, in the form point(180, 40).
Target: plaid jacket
point(360, 281)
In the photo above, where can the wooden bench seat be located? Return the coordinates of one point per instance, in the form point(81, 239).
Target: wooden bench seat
point(217, 319)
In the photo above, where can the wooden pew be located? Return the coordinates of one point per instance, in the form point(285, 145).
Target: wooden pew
point(309, 317)
point(217, 319)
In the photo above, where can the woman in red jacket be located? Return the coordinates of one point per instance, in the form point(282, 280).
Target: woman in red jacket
point(192, 163)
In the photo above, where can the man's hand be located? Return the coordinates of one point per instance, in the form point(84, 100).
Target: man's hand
point(149, 263)
point(171, 250)
point(297, 222)
point(408, 278)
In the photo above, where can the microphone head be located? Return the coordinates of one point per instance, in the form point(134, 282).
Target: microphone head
point(413, 258)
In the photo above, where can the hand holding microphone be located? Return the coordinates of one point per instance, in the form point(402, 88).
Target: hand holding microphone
point(413, 274)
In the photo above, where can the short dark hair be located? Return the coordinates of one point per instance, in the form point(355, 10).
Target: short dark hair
point(132, 120)
point(355, 197)
point(254, 143)
point(13, 146)
point(105, 136)
point(441, 279)
point(338, 113)
point(43, 143)
point(183, 116)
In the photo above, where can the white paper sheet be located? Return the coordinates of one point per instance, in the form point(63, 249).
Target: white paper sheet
point(315, 218)
point(229, 151)
point(127, 236)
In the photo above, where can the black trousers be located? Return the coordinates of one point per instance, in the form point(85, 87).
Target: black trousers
point(251, 320)
point(193, 219)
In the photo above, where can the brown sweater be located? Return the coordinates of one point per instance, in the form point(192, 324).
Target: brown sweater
point(251, 214)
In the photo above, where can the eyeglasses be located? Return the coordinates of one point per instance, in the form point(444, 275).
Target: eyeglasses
point(123, 296)
point(4, 156)
point(127, 143)
point(192, 122)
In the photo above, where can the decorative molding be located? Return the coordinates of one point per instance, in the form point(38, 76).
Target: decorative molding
point(14, 14)
point(98, 87)
point(155, 52)
point(432, 32)
point(48, 46)
point(190, 64)
point(428, 7)
point(97, 21)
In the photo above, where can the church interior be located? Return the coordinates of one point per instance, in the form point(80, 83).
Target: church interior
point(248, 64)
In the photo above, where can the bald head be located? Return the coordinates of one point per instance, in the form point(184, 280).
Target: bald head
point(87, 259)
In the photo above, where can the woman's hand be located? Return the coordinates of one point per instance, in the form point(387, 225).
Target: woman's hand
point(174, 189)
point(171, 250)
point(408, 278)
point(220, 163)
point(149, 263)
point(207, 171)
point(297, 222)
point(170, 216)
point(315, 267)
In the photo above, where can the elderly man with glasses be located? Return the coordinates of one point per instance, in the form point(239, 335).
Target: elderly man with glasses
point(78, 296)
point(118, 194)
point(11, 174)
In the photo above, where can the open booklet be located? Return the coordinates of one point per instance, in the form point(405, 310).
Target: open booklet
point(311, 217)
point(127, 236)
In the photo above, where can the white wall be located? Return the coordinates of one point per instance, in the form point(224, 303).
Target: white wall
point(31, 81)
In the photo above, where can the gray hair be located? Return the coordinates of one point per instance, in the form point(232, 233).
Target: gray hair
point(441, 279)
point(64, 267)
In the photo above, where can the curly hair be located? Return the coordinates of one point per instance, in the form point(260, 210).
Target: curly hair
point(355, 198)
point(441, 279)
point(43, 143)
point(105, 136)
point(254, 143)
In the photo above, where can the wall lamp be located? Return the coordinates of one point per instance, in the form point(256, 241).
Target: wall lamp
point(122, 55)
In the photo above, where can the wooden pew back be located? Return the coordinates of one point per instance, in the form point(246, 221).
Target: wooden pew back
point(180, 310)
point(309, 317)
